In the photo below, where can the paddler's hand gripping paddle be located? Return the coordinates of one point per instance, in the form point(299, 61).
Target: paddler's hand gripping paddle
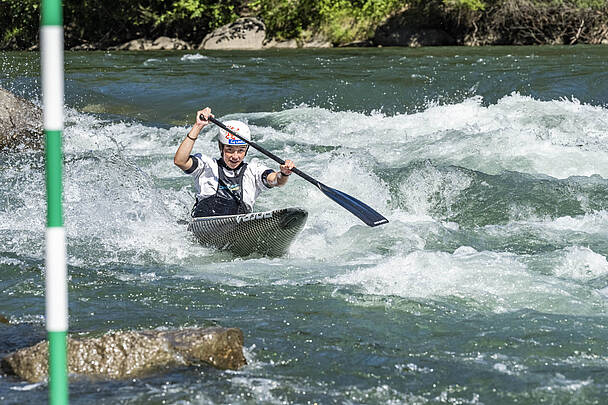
point(361, 210)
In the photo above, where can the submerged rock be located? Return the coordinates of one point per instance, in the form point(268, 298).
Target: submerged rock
point(129, 354)
point(20, 123)
point(244, 33)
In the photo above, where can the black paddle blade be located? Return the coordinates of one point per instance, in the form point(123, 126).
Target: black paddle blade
point(359, 209)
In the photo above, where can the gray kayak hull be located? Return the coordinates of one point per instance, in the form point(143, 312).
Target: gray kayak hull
point(268, 233)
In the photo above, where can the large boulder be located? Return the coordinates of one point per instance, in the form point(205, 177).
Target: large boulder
point(244, 33)
point(20, 123)
point(130, 354)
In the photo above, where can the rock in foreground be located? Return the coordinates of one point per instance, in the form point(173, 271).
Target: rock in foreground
point(120, 355)
point(20, 123)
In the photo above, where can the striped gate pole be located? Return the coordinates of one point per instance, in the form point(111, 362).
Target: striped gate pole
point(51, 53)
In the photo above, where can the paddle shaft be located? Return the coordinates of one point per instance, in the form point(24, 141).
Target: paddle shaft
point(354, 206)
point(267, 153)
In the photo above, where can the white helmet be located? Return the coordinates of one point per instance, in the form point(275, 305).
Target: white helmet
point(240, 128)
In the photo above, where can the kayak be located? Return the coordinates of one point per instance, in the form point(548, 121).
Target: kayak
point(268, 233)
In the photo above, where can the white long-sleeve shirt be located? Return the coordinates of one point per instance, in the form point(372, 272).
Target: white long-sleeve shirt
point(204, 170)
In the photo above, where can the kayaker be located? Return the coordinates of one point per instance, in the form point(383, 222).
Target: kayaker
point(227, 185)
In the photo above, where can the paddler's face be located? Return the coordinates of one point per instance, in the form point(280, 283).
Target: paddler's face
point(233, 155)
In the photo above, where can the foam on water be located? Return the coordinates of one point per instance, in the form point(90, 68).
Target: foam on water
point(28, 387)
point(85, 132)
point(592, 223)
point(581, 263)
point(492, 268)
point(487, 280)
point(193, 57)
point(124, 198)
point(152, 61)
point(559, 138)
point(539, 234)
point(114, 210)
point(426, 188)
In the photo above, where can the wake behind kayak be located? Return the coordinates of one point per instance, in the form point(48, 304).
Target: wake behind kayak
point(268, 233)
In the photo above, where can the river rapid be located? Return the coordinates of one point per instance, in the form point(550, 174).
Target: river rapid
point(488, 286)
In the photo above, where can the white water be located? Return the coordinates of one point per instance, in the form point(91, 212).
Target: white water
point(124, 198)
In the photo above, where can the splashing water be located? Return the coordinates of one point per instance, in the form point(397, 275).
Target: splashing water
point(489, 283)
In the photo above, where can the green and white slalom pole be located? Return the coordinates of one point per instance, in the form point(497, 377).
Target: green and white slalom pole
point(51, 52)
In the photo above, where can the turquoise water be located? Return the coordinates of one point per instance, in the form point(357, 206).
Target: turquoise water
point(489, 284)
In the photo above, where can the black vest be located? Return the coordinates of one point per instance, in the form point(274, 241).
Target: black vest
point(228, 198)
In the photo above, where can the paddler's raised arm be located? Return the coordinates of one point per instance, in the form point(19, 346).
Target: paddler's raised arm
point(280, 178)
point(182, 157)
